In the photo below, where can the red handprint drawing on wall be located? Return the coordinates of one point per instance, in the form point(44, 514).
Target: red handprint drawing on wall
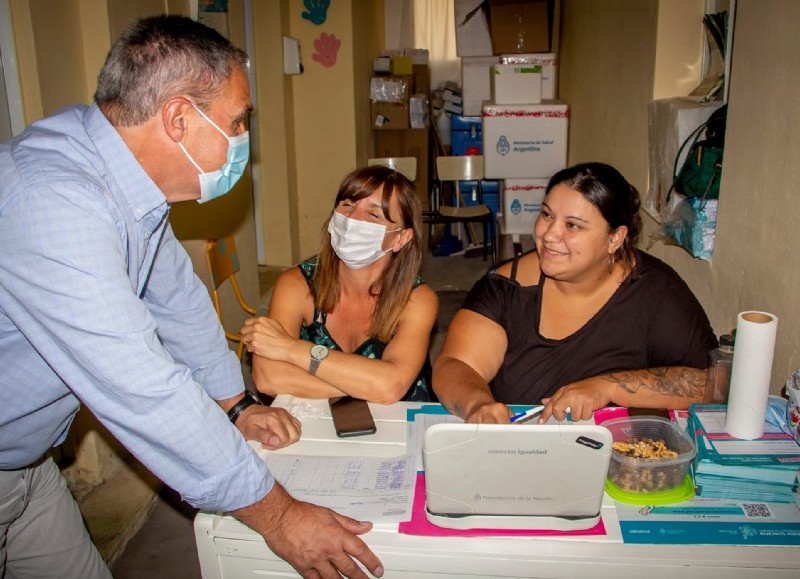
point(327, 48)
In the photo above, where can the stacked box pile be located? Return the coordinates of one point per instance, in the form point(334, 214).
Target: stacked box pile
point(509, 75)
point(399, 108)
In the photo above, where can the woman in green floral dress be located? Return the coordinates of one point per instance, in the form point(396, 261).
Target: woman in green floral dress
point(355, 319)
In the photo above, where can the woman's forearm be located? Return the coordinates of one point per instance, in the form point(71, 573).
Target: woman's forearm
point(274, 378)
point(460, 388)
point(674, 387)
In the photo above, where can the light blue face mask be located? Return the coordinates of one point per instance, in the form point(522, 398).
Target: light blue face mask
point(216, 183)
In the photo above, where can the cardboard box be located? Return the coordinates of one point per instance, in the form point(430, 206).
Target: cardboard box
point(476, 82)
point(401, 65)
point(522, 203)
point(390, 89)
point(422, 79)
point(524, 141)
point(670, 122)
point(519, 26)
point(408, 143)
point(549, 63)
point(389, 116)
point(514, 84)
point(472, 29)
point(381, 65)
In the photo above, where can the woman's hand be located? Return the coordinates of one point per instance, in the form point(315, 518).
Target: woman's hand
point(490, 413)
point(580, 398)
point(267, 338)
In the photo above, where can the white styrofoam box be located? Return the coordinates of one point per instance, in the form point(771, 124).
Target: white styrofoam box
point(472, 36)
point(418, 55)
point(514, 84)
point(476, 82)
point(549, 63)
point(670, 122)
point(524, 141)
point(522, 203)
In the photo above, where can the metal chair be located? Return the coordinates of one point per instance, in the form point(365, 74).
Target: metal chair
point(405, 165)
point(456, 170)
point(223, 264)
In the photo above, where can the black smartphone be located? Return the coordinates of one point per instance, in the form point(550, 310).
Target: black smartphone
point(351, 416)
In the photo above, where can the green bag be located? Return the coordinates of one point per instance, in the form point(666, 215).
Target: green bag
point(700, 174)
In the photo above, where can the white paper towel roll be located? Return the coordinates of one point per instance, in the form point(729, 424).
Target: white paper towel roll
point(750, 374)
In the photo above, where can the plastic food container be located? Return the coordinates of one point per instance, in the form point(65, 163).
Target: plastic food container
point(642, 480)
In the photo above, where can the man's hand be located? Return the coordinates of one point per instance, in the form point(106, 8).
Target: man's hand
point(315, 541)
point(273, 427)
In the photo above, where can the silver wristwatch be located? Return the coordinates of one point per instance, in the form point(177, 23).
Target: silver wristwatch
point(318, 354)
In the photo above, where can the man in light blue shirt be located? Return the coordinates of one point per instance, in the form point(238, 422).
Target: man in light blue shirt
point(99, 305)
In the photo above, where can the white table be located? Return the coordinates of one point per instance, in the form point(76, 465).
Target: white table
point(230, 550)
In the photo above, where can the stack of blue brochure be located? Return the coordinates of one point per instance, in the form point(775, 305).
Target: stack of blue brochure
point(764, 469)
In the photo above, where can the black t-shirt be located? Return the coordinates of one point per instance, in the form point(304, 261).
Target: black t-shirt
point(652, 320)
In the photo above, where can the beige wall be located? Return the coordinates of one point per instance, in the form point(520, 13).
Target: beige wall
point(314, 126)
point(606, 77)
point(324, 121)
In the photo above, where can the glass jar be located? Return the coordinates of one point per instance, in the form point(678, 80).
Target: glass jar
point(720, 361)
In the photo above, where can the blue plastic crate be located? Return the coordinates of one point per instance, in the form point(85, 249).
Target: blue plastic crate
point(466, 135)
point(491, 194)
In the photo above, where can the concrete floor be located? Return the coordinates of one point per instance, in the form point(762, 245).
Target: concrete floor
point(164, 547)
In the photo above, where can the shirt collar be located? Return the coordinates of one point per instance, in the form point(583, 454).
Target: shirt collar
point(138, 189)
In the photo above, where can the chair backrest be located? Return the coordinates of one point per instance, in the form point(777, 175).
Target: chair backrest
point(405, 165)
point(223, 261)
point(223, 264)
point(460, 168)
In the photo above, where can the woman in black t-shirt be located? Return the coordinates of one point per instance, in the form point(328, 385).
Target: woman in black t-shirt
point(584, 321)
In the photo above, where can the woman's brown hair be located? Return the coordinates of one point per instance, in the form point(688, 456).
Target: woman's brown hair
point(393, 289)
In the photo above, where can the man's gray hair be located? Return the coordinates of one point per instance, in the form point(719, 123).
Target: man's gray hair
point(158, 58)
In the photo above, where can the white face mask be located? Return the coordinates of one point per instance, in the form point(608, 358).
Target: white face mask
point(357, 243)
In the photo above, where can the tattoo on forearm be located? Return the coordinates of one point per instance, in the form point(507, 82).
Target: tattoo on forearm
point(673, 381)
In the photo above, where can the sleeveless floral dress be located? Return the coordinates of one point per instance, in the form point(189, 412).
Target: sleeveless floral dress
point(317, 333)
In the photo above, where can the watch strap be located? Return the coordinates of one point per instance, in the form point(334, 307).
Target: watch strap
point(247, 400)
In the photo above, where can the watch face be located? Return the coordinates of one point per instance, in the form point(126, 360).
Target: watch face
point(319, 352)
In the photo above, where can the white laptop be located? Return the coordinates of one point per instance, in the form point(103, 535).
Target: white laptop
point(515, 476)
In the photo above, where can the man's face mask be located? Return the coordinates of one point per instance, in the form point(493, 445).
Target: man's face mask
point(216, 183)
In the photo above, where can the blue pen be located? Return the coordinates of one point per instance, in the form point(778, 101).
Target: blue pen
point(534, 412)
point(528, 414)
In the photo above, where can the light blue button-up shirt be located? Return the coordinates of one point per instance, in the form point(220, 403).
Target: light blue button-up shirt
point(99, 304)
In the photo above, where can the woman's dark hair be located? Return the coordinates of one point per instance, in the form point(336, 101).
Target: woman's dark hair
point(394, 287)
point(616, 199)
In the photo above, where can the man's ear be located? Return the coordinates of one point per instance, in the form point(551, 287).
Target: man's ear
point(173, 117)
